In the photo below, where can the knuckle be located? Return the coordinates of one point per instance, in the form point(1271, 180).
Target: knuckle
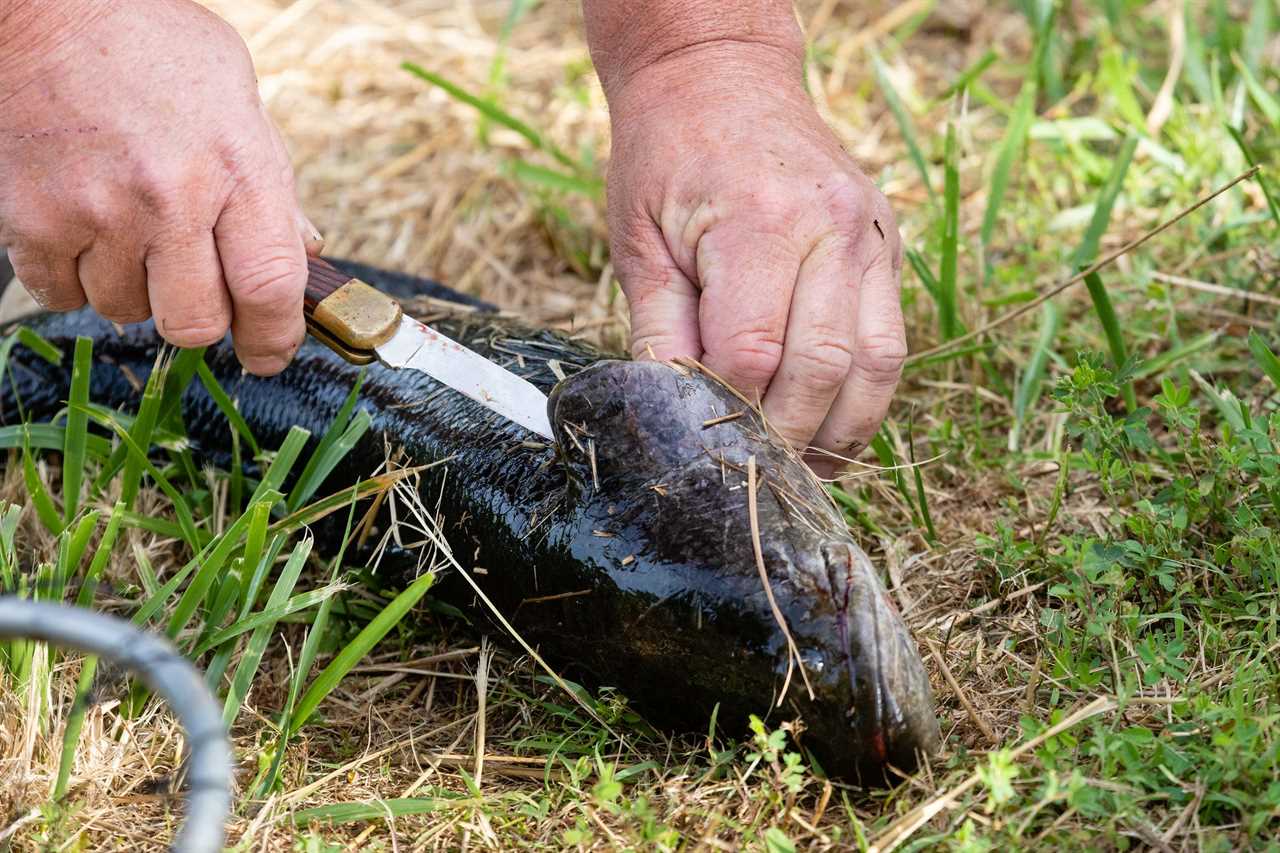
point(880, 357)
point(159, 187)
point(753, 357)
point(101, 210)
point(825, 364)
point(46, 285)
point(275, 278)
point(53, 298)
point(845, 200)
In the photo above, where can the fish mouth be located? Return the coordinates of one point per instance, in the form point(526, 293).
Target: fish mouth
point(890, 703)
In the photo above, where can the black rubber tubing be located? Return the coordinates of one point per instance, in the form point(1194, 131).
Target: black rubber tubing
point(168, 673)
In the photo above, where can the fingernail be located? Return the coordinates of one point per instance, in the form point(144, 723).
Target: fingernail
point(312, 239)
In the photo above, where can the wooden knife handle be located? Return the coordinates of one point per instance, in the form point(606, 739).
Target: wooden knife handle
point(343, 310)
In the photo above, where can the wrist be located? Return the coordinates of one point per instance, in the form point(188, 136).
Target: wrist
point(644, 44)
point(684, 88)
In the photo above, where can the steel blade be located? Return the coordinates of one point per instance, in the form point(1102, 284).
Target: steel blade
point(418, 347)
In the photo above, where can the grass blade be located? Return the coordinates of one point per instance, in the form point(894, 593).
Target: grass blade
point(283, 462)
point(325, 457)
point(1232, 409)
point(903, 118)
point(195, 593)
point(552, 179)
point(140, 431)
point(137, 457)
point(925, 274)
point(948, 321)
point(77, 542)
point(89, 585)
point(1272, 204)
point(336, 813)
point(75, 723)
point(1106, 312)
point(225, 405)
point(889, 461)
point(1087, 251)
point(498, 66)
point(49, 437)
point(351, 654)
point(1264, 100)
point(252, 657)
point(1015, 138)
point(1165, 360)
point(317, 510)
point(921, 495)
point(973, 72)
point(268, 616)
point(30, 339)
point(1033, 377)
point(255, 540)
point(490, 111)
point(1265, 358)
point(39, 494)
point(73, 454)
point(321, 465)
point(310, 648)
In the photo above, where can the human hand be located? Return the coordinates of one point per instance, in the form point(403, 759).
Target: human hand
point(139, 171)
point(745, 236)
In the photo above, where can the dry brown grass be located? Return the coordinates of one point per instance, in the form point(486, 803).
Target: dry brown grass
point(392, 172)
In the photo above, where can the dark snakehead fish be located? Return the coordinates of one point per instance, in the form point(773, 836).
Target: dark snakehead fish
point(626, 554)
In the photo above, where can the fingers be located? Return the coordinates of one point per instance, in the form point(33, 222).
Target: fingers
point(819, 342)
point(53, 280)
point(187, 293)
point(114, 281)
point(664, 304)
point(746, 299)
point(879, 351)
point(312, 240)
point(264, 265)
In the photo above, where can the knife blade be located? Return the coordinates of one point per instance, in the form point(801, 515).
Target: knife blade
point(363, 324)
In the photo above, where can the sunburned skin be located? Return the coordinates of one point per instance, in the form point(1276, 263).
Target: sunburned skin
point(626, 554)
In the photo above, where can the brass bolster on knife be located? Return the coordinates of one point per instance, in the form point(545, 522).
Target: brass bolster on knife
point(357, 316)
point(352, 356)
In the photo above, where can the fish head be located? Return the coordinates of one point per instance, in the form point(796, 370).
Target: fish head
point(683, 475)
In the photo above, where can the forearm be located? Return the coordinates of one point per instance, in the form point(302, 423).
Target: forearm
point(628, 36)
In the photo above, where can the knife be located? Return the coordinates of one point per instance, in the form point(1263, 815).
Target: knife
point(363, 325)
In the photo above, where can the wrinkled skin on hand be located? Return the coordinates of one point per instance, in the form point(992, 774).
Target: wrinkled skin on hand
point(140, 172)
point(746, 237)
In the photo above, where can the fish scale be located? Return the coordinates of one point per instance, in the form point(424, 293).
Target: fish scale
point(674, 614)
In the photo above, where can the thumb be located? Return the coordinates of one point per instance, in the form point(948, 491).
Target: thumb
point(664, 303)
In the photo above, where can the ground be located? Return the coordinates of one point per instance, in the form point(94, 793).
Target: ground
point(1076, 509)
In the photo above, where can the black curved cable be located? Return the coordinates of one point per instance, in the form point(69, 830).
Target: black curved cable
point(164, 670)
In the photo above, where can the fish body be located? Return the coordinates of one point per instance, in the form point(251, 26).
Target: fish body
point(627, 554)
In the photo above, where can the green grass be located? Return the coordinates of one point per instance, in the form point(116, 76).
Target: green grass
point(1081, 510)
point(212, 606)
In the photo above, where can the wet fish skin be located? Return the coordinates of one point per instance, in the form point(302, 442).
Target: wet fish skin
point(626, 556)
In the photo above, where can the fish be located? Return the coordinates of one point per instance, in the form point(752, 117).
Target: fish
point(632, 553)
